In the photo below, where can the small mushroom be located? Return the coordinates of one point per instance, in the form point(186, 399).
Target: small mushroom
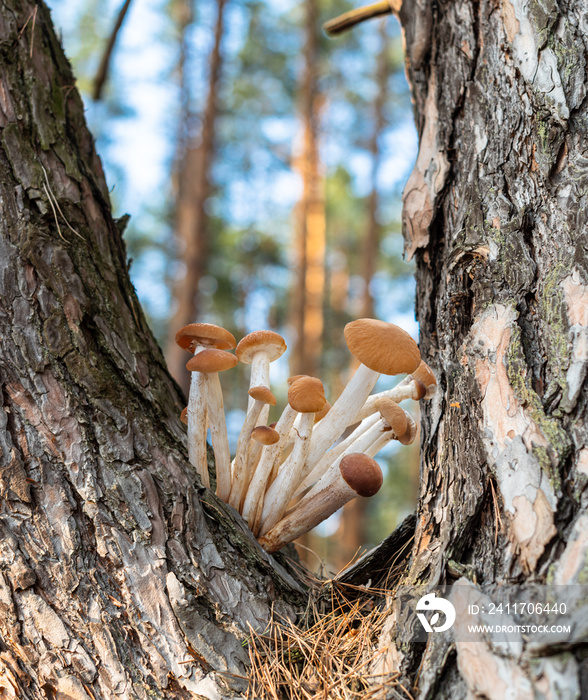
point(411, 431)
point(307, 397)
point(354, 475)
point(265, 435)
point(424, 374)
point(408, 388)
point(389, 422)
point(259, 349)
point(382, 348)
point(210, 362)
point(241, 474)
point(338, 449)
point(254, 497)
point(194, 338)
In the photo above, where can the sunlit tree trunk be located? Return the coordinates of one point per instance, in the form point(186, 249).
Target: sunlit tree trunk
point(352, 534)
point(308, 291)
point(120, 577)
point(191, 229)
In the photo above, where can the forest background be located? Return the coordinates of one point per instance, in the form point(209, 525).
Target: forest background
point(261, 164)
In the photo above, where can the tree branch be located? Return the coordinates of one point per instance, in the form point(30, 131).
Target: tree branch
point(102, 73)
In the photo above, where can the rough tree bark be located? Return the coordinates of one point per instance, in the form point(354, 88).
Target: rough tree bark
point(495, 214)
point(120, 577)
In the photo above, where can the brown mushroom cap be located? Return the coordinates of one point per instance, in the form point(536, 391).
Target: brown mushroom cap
point(295, 378)
point(268, 341)
point(424, 374)
point(206, 334)
point(263, 393)
point(184, 416)
point(421, 389)
point(393, 415)
point(211, 360)
point(307, 395)
point(409, 435)
point(265, 435)
point(319, 415)
point(382, 347)
point(361, 473)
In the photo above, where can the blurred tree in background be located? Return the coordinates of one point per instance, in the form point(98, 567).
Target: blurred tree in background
point(262, 166)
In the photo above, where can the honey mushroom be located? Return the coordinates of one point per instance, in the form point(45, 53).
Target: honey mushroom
point(209, 363)
point(194, 338)
point(389, 422)
point(381, 348)
point(256, 483)
point(240, 472)
point(421, 384)
point(355, 475)
point(307, 397)
point(270, 455)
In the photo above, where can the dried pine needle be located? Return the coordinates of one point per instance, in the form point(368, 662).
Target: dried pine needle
point(327, 656)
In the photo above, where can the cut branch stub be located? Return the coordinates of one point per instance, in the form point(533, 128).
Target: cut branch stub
point(357, 475)
point(210, 362)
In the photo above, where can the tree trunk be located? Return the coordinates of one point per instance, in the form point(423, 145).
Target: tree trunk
point(308, 291)
point(120, 577)
point(352, 532)
point(191, 218)
point(495, 214)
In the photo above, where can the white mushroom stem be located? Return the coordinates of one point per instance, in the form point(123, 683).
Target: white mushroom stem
point(327, 496)
point(218, 435)
point(240, 472)
point(348, 404)
point(304, 518)
point(197, 417)
point(260, 374)
point(254, 450)
point(337, 450)
point(406, 389)
point(291, 474)
point(380, 442)
point(270, 455)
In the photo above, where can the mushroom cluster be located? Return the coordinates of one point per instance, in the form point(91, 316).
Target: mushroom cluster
point(287, 477)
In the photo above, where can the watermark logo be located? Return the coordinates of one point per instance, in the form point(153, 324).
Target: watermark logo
point(430, 603)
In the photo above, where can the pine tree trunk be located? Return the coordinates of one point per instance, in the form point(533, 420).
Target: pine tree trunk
point(495, 214)
point(120, 577)
point(308, 292)
point(352, 533)
point(192, 226)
